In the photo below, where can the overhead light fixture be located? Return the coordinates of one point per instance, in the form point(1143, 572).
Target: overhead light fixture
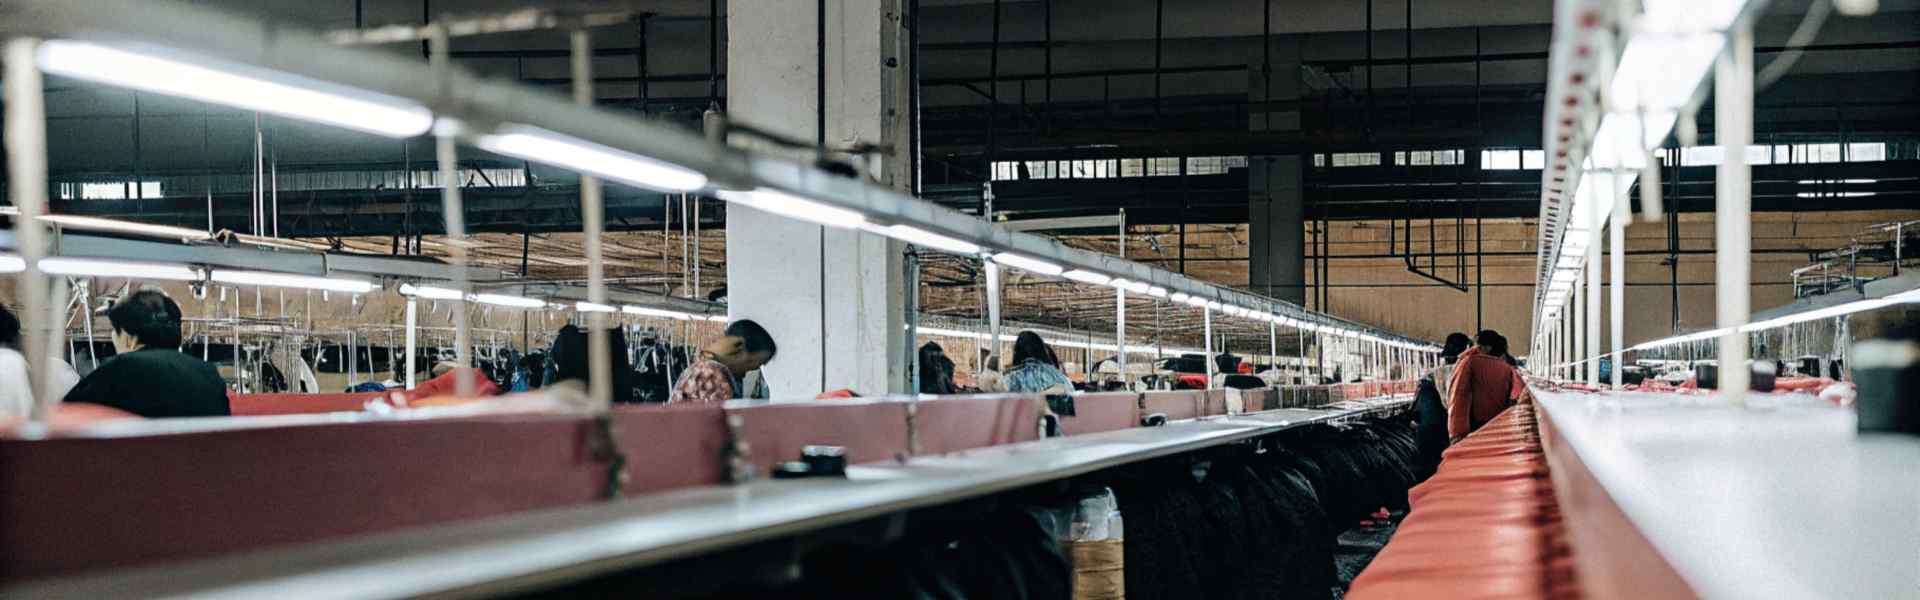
point(1824, 313)
point(130, 227)
point(1813, 182)
point(1195, 301)
point(1565, 275)
point(509, 301)
point(655, 312)
point(583, 306)
point(12, 264)
point(87, 267)
point(540, 145)
point(260, 278)
point(1214, 305)
point(794, 207)
point(1557, 285)
point(1180, 297)
point(717, 318)
point(1088, 277)
point(430, 292)
point(250, 88)
point(1835, 194)
point(1157, 292)
point(1138, 287)
point(921, 237)
point(1030, 265)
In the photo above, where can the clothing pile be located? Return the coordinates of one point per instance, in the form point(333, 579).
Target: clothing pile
point(1260, 524)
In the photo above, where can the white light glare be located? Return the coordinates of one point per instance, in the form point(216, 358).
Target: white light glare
point(583, 306)
point(794, 207)
point(1157, 292)
point(429, 292)
point(118, 226)
point(1180, 297)
point(1028, 264)
point(1824, 313)
point(922, 237)
point(232, 85)
point(351, 286)
point(655, 312)
point(85, 267)
point(1195, 301)
point(1088, 277)
point(509, 301)
point(540, 145)
point(717, 318)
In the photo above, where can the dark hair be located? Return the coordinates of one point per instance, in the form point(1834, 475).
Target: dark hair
point(1028, 345)
point(1456, 343)
point(1488, 338)
point(1499, 346)
point(936, 370)
point(150, 317)
point(757, 338)
point(9, 328)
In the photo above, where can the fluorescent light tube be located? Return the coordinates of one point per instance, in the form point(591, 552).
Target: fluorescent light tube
point(1180, 296)
point(1088, 277)
point(249, 88)
point(329, 284)
point(510, 301)
point(584, 306)
point(540, 145)
point(12, 264)
point(1195, 301)
point(119, 226)
point(795, 207)
point(1214, 305)
point(86, 267)
point(717, 318)
point(1031, 265)
point(430, 292)
point(921, 237)
point(1565, 275)
point(1157, 292)
point(1815, 315)
point(655, 312)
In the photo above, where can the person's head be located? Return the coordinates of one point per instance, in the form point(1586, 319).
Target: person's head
point(1029, 346)
point(1456, 343)
point(1500, 345)
point(9, 329)
point(746, 347)
point(936, 370)
point(1486, 340)
point(145, 319)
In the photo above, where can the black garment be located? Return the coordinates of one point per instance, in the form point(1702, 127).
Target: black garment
point(155, 382)
point(1431, 433)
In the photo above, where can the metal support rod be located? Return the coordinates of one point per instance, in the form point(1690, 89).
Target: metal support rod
point(592, 213)
point(26, 145)
point(912, 274)
point(1120, 309)
point(413, 325)
point(1600, 212)
point(259, 175)
point(1617, 269)
point(1733, 218)
point(1206, 314)
point(1273, 347)
point(993, 308)
point(454, 211)
point(1579, 327)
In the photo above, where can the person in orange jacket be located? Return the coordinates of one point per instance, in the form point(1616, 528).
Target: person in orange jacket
point(1483, 385)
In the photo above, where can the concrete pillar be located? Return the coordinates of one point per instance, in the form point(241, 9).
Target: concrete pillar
point(1276, 216)
point(833, 299)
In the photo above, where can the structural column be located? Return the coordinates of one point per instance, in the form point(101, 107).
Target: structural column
point(1276, 216)
point(834, 299)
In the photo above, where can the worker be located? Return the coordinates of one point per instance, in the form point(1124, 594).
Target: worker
point(1430, 407)
point(1483, 385)
point(148, 375)
point(936, 370)
point(1035, 370)
point(16, 389)
point(716, 375)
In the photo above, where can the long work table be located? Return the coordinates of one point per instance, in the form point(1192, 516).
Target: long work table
point(1673, 495)
point(529, 551)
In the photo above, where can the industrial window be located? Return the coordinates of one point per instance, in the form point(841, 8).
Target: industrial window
point(1868, 152)
point(107, 190)
point(1320, 160)
point(1206, 165)
point(1500, 160)
point(1132, 167)
point(1163, 166)
point(1356, 159)
point(1005, 171)
point(1400, 158)
point(1236, 162)
point(1705, 156)
point(1533, 159)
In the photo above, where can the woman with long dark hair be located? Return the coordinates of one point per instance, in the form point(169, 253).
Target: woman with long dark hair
point(1035, 370)
point(16, 391)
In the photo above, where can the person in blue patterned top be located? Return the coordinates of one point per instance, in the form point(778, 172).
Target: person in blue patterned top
point(1035, 370)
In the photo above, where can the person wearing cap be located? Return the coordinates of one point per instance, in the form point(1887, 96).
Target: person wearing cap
point(148, 374)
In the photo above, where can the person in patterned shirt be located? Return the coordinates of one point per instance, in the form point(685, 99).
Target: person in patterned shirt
point(715, 376)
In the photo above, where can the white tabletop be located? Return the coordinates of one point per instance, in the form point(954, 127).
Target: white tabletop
point(1778, 499)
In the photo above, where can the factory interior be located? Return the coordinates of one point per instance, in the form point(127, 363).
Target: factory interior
point(947, 299)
